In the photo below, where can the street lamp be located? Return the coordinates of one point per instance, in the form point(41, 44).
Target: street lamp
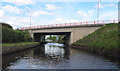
point(29, 14)
point(119, 11)
point(98, 11)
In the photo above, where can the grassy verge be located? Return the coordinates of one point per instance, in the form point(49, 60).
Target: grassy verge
point(103, 41)
point(17, 44)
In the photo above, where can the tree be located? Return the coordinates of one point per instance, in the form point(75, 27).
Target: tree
point(53, 38)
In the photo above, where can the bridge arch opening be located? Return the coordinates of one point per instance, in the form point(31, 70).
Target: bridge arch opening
point(41, 37)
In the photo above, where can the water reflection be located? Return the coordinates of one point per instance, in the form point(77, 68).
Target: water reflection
point(55, 56)
point(39, 51)
point(67, 52)
point(57, 52)
point(43, 54)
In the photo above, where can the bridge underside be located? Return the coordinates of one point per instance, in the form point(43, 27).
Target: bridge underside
point(40, 37)
point(72, 34)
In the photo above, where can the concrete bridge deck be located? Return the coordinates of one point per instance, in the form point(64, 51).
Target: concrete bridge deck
point(72, 31)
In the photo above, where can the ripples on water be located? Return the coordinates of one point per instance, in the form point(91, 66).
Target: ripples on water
point(55, 56)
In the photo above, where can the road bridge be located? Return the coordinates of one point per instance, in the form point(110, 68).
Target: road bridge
point(72, 31)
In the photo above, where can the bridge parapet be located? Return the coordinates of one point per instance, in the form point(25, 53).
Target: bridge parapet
point(86, 23)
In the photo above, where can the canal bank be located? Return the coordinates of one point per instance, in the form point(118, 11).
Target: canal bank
point(104, 41)
point(17, 47)
point(112, 54)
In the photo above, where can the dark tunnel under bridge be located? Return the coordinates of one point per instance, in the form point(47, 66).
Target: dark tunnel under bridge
point(40, 37)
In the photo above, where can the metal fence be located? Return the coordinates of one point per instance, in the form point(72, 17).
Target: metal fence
point(71, 24)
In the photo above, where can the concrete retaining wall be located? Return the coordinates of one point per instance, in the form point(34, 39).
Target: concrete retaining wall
point(12, 49)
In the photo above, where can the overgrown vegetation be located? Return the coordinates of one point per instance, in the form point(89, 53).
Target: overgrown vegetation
point(103, 41)
point(13, 36)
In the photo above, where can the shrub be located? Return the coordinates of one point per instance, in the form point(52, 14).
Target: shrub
point(11, 36)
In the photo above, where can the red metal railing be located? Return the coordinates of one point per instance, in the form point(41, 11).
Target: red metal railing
point(71, 24)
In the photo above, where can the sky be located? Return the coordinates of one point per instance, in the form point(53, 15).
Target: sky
point(17, 12)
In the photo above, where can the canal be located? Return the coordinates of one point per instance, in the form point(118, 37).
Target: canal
point(55, 56)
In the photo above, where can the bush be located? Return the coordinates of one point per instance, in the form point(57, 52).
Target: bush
point(12, 36)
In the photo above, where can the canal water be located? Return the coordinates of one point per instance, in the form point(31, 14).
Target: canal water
point(55, 56)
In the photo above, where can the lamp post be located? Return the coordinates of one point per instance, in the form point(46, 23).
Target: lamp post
point(29, 14)
point(119, 11)
point(30, 19)
point(98, 11)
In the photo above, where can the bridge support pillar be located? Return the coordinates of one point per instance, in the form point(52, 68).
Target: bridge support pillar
point(67, 40)
point(39, 38)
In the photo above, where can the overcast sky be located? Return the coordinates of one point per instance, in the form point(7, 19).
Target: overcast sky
point(17, 12)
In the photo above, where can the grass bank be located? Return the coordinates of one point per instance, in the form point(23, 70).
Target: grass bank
point(17, 44)
point(103, 41)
